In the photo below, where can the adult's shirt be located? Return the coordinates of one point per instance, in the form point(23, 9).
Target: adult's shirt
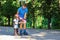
point(21, 12)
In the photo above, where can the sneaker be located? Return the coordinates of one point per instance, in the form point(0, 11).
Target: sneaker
point(21, 32)
point(25, 33)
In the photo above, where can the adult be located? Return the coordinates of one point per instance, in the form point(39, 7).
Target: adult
point(22, 13)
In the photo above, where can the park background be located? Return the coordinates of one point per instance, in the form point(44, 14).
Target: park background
point(43, 14)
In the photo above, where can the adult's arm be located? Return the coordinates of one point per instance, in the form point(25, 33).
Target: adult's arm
point(26, 11)
point(25, 15)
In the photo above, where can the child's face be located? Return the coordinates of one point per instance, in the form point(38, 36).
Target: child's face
point(16, 16)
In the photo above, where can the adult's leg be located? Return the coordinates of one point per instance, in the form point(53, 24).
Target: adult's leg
point(25, 32)
point(21, 28)
point(24, 25)
point(20, 25)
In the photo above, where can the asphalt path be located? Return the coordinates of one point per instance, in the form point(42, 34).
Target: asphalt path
point(7, 33)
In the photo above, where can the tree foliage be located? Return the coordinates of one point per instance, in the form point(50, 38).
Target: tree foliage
point(42, 13)
point(8, 9)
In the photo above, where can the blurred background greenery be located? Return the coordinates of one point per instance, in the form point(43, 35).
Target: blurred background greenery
point(43, 14)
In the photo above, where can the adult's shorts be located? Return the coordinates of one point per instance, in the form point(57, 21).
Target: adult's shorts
point(22, 20)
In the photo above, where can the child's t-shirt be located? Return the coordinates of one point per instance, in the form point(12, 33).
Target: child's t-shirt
point(15, 23)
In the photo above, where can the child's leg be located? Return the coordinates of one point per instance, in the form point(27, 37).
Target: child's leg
point(15, 31)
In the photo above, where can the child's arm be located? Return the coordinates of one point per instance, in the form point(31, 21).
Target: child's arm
point(14, 21)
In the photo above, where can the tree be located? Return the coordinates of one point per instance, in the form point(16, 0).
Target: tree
point(50, 9)
point(31, 15)
point(0, 4)
point(9, 10)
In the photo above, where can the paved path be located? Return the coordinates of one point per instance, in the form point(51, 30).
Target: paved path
point(6, 33)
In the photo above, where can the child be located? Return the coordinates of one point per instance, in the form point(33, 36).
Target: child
point(16, 25)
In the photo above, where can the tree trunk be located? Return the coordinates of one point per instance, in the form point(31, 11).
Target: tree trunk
point(33, 16)
point(33, 24)
point(8, 20)
point(49, 22)
point(12, 20)
point(33, 20)
point(0, 6)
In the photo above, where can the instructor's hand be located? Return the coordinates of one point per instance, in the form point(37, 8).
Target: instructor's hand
point(25, 16)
